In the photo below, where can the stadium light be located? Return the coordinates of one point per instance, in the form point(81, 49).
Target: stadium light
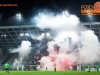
point(18, 16)
point(40, 14)
point(47, 34)
point(89, 15)
point(26, 34)
point(1, 35)
point(90, 18)
point(65, 13)
point(42, 34)
point(21, 34)
point(4, 35)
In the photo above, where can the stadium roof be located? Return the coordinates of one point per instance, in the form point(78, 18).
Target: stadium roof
point(11, 36)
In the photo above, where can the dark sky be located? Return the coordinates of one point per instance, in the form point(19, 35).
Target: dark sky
point(29, 8)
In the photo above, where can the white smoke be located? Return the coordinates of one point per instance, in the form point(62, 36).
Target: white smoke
point(69, 33)
point(91, 46)
point(40, 37)
point(24, 51)
point(57, 22)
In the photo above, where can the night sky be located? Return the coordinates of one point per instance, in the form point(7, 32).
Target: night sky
point(29, 8)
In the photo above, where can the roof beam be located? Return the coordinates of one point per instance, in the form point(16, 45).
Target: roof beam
point(24, 26)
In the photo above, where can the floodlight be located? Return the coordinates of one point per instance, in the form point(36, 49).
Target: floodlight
point(5, 35)
point(18, 16)
point(65, 13)
point(1, 35)
point(21, 34)
point(40, 14)
point(26, 34)
point(42, 34)
point(47, 34)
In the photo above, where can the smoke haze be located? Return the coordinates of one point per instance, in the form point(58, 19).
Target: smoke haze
point(24, 51)
point(76, 43)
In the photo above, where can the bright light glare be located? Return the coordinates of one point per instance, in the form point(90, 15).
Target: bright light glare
point(4, 34)
point(40, 14)
point(18, 16)
point(65, 13)
point(1, 35)
point(47, 34)
point(42, 34)
point(21, 34)
point(90, 16)
point(26, 34)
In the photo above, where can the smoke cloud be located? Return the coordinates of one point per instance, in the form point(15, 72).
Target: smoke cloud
point(72, 44)
point(24, 51)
